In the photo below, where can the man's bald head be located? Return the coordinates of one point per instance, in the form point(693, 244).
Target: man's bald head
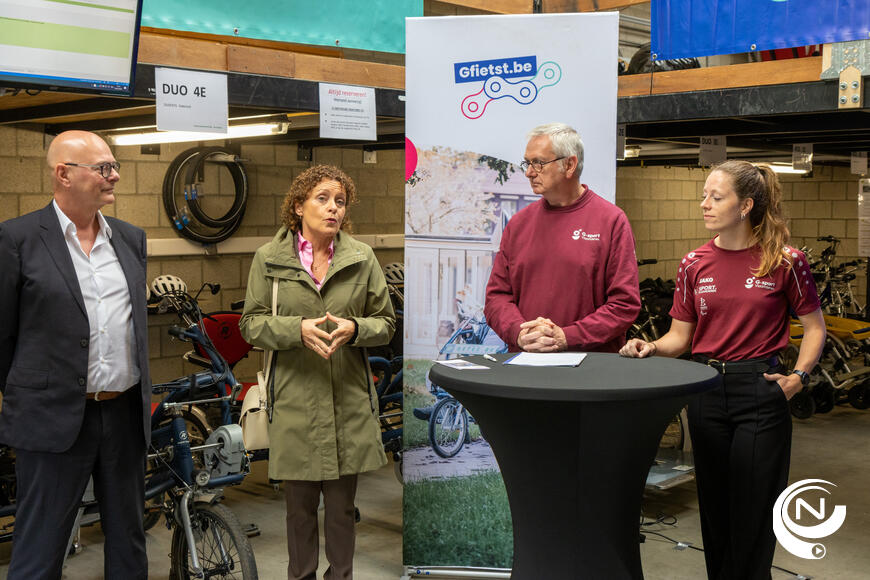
point(74, 146)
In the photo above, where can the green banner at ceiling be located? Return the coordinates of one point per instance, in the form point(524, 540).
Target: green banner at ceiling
point(372, 25)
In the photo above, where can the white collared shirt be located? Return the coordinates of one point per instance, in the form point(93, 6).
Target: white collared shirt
point(112, 364)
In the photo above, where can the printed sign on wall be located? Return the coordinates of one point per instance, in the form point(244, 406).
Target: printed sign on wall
point(190, 100)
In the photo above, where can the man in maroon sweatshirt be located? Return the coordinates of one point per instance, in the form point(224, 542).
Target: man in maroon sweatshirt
point(565, 275)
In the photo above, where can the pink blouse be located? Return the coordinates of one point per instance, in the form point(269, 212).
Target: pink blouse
point(306, 256)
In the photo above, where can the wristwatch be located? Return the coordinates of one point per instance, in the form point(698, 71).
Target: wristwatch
point(805, 377)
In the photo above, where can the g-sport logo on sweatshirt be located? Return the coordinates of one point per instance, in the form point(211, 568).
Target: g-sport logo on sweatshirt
point(753, 282)
point(495, 77)
point(579, 233)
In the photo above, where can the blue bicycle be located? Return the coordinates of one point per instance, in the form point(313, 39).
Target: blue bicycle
point(448, 421)
point(184, 481)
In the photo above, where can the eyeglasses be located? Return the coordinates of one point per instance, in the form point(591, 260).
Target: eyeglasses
point(105, 169)
point(538, 166)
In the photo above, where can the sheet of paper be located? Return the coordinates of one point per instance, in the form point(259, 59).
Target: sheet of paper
point(462, 365)
point(547, 359)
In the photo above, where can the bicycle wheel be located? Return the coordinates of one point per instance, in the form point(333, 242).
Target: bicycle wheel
point(222, 547)
point(448, 427)
point(673, 435)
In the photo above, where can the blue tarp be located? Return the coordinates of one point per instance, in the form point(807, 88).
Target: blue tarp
point(372, 25)
point(687, 28)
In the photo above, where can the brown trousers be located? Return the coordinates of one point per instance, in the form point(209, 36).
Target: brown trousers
point(303, 546)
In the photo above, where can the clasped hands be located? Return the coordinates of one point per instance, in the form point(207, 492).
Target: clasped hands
point(326, 343)
point(541, 335)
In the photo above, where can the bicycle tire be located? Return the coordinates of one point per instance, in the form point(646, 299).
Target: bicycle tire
point(217, 531)
point(240, 183)
point(858, 396)
point(448, 427)
point(674, 435)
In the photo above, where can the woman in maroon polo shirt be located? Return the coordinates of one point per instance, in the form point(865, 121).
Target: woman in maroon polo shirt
point(732, 303)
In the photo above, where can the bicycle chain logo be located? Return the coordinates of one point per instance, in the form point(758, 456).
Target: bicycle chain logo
point(787, 531)
point(495, 74)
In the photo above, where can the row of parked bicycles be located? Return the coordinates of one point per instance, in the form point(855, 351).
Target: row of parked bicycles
point(196, 443)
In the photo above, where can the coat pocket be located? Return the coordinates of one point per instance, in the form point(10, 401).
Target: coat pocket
point(27, 378)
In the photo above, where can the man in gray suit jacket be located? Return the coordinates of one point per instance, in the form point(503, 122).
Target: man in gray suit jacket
point(74, 365)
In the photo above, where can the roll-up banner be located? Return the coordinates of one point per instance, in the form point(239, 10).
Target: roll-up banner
point(475, 86)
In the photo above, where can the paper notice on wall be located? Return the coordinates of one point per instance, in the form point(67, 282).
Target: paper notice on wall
point(712, 150)
point(802, 156)
point(859, 162)
point(347, 112)
point(864, 217)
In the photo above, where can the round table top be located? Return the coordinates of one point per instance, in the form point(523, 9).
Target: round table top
point(600, 377)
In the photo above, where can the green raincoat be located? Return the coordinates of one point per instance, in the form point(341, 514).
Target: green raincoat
point(325, 420)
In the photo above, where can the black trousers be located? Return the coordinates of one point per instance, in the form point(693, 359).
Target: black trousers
point(50, 485)
point(741, 436)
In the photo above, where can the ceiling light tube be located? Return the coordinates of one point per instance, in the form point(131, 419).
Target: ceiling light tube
point(233, 132)
point(783, 168)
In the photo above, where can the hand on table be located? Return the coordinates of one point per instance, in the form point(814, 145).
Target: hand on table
point(541, 335)
point(637, 348)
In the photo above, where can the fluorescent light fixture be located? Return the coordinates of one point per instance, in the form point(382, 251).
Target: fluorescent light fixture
point(631, 151)
point(784, 168)
point(233, 132)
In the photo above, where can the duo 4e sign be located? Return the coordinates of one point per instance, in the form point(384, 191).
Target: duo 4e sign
point(176, 89)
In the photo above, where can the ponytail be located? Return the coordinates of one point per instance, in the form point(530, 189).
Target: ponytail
point(769, 230)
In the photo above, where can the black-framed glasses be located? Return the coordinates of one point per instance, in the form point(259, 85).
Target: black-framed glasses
point(538, 166)
point(105, 169)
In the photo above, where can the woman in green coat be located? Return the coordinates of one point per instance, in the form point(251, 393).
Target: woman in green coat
point(332, 304)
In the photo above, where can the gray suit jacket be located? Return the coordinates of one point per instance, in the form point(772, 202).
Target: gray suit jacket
point(44, 331)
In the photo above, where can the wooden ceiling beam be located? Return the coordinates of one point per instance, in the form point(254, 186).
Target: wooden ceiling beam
point(263, 58)
point(774, 72)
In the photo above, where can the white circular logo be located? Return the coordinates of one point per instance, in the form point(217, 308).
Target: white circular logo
point(787, 531)
point(576, 234)
point(750, 282)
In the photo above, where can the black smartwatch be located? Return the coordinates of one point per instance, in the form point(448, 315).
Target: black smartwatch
point(805, 377)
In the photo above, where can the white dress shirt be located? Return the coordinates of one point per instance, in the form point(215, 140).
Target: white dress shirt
point(112, 362)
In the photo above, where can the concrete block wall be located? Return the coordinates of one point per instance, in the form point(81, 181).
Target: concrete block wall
point(25, 186)
point(663, 205)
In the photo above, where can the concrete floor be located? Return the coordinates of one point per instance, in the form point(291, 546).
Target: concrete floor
point(833, 447)
point(379, 532)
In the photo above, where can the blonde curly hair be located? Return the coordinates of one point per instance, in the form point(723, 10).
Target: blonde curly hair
point(303, 185)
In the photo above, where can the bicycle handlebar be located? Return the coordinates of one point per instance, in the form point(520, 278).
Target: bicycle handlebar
point(829, 239)
point(178, 332)
point(647, 261)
